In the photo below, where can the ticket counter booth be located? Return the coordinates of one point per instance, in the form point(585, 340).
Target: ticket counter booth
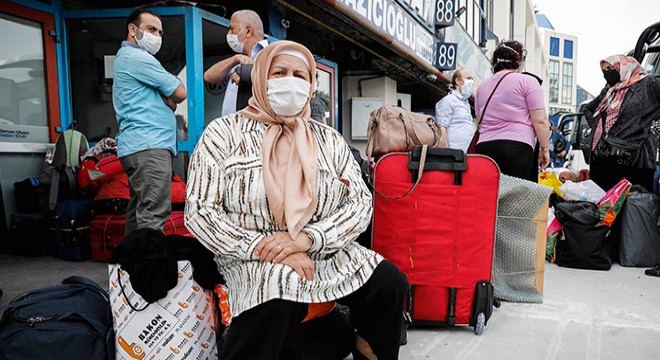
point(56, 73)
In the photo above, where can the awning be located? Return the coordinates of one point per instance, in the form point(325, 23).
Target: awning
point(408, 32)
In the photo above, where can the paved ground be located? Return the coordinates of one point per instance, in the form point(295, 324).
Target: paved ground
point(586, 315)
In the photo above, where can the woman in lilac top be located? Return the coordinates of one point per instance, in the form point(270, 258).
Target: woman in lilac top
point(515, 117)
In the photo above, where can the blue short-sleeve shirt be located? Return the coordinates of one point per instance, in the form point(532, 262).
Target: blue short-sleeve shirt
point(145, 121)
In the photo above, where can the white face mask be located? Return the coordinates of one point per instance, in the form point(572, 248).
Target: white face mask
point(467, 89)
point(234, 44)
point(149, 42)
point(288, 95)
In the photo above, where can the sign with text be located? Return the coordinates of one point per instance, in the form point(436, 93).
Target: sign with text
point(23, 133)
point(397, 23)
point(445, 56)
point(422, 9)
point(444, 13)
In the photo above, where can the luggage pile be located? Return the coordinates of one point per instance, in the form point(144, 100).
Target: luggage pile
point(593, 229)
point(75, 210)
point(434, 217)
point(435, 213)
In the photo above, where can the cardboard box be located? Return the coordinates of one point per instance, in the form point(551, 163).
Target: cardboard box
point(541, 221)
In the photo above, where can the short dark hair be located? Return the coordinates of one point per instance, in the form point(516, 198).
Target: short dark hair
point(135, 17)
point(508, 55)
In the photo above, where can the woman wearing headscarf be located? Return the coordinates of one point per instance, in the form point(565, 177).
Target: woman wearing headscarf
point(625, 110)
point(511, 109)
point(280, 200)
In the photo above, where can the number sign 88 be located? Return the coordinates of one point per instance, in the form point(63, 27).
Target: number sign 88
point(444, 11)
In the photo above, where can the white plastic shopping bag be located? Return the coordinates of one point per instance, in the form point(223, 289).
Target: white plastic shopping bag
point(180, 326)
point(584, 191)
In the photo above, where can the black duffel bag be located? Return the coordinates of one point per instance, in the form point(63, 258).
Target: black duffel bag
point(586, 244)
point(638, 230)
point(68, 321)
point(584, 247)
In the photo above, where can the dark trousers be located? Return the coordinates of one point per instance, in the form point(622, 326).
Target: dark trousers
point(514, 158)
point(149, 177)
point(270, 331)
point(608, 175)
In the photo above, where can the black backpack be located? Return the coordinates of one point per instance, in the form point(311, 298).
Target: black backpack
point(68, 321)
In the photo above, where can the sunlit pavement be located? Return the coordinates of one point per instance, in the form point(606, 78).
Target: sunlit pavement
point(585, 315)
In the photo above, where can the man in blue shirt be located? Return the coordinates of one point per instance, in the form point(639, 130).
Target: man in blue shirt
point(246, 38)
point(453, 112)
point(145, 95)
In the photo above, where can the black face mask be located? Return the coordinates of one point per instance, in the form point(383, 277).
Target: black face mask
point(611, 76)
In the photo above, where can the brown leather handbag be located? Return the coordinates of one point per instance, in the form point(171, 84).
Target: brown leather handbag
point(393, 128)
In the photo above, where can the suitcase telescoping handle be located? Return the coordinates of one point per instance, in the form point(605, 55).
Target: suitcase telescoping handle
point(439, 160)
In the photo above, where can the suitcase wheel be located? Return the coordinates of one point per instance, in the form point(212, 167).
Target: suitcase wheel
point(481, 324)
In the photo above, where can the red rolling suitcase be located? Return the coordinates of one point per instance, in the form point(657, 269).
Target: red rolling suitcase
point(107, 231)
point(439, 231)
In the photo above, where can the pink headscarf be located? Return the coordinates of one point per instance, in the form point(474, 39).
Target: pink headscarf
point(289, 153)
point(630, 72)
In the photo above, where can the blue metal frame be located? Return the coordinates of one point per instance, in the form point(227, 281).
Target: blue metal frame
point(53, 8)
point(194, 64)
point(66, 113)
point(63, 84)
point(119, 13)
point(194, 61)
point(217, 19)
point(194, 70)
point(193, 19)
point(335, 68)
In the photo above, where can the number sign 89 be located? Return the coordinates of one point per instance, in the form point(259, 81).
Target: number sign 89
point(445, 56)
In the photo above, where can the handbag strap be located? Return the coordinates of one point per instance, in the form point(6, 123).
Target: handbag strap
point(372, 125)
point(491, 96)
point(422, 162)
point(429, 120)
point(123, 292)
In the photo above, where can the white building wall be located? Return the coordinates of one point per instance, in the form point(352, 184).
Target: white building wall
point(501, 19)
point(382, 88)
point(525, 30)
point(561, 58)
